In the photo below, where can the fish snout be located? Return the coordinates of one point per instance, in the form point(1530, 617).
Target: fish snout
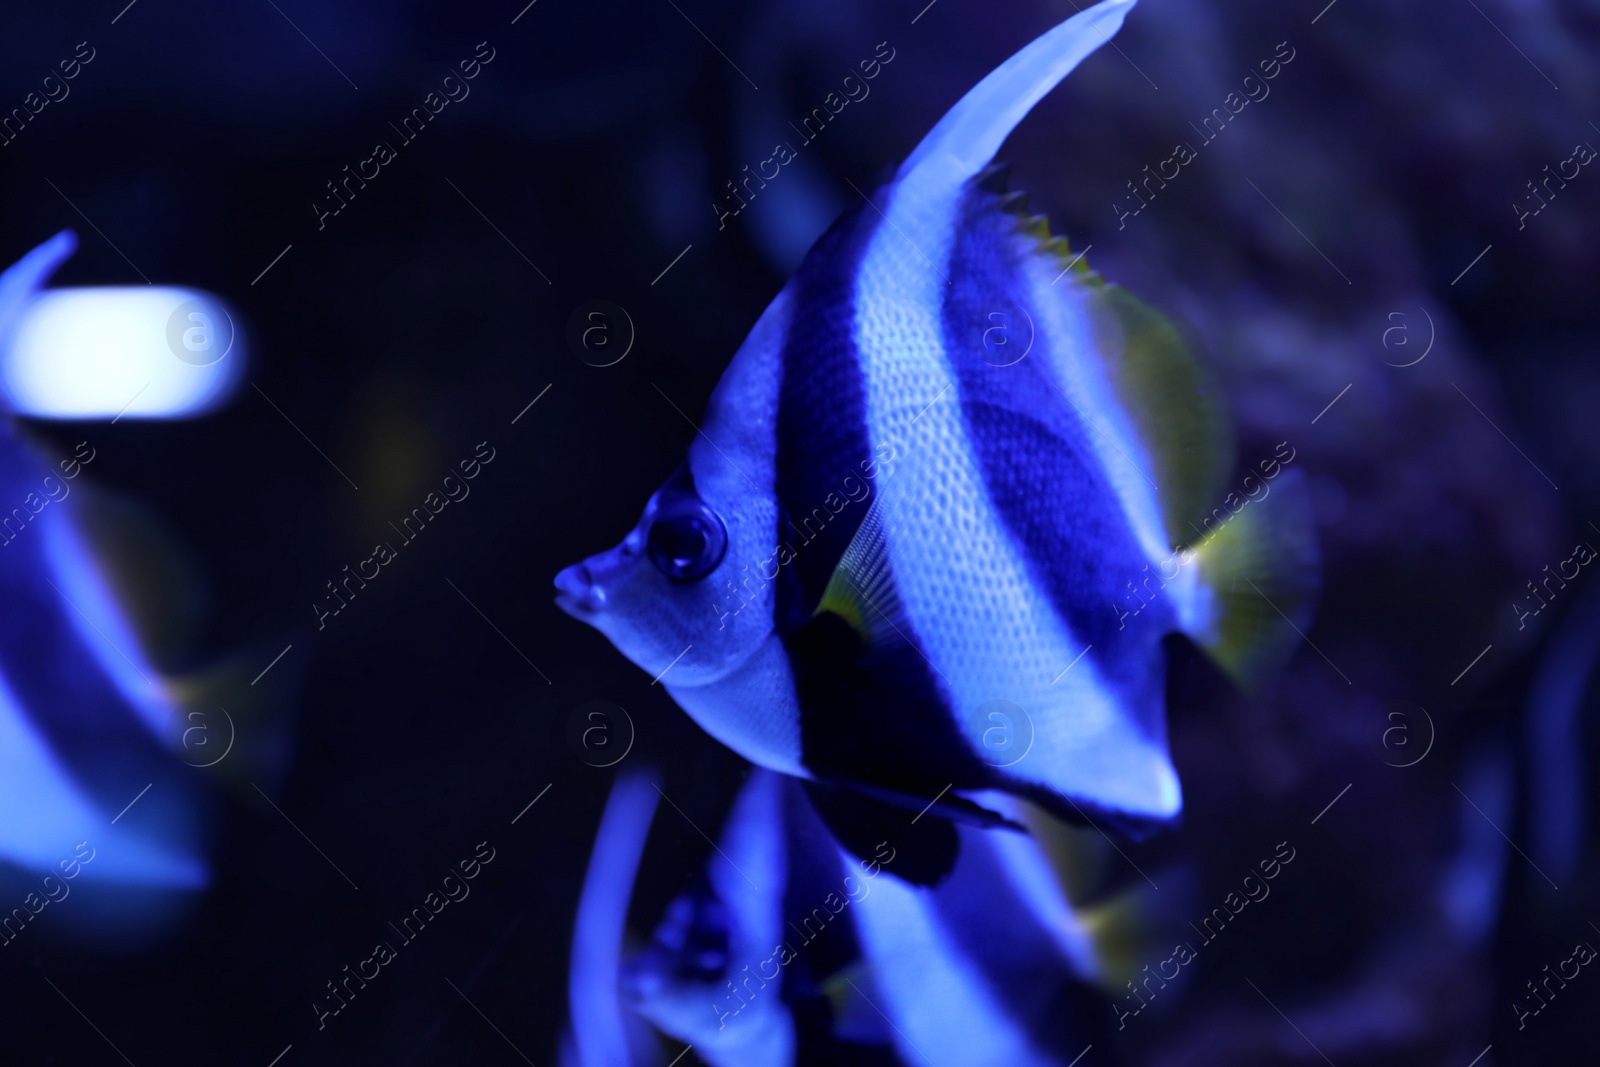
point(578, 592)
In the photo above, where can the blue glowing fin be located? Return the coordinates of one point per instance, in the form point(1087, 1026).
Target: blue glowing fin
point(604, 1033)
point(971, 132)
point(22, 281)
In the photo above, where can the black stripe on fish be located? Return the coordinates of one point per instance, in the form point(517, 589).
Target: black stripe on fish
point(1038, 462)
point(869, 716)
point(829, 942)
point(876, 715)
point(924, 851)
point(822, 424)
point(819, 907)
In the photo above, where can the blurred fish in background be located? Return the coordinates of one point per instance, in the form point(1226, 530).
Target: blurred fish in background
point(97, 722)
point(788, 949)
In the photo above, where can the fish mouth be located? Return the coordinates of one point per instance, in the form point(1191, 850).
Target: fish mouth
point(577, 594)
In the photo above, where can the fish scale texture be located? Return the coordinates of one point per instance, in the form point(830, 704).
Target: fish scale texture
point(984, 622)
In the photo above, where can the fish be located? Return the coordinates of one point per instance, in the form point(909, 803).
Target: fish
point(947, 502)
point(94, 734)
point(683, 981)
point(789, 949)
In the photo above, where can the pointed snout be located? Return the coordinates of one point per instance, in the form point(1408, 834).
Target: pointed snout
point(578, 592)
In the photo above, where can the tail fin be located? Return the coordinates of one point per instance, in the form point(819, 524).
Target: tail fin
point(1258, 579)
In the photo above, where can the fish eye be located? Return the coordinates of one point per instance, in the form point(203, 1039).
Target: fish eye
point(687, 540)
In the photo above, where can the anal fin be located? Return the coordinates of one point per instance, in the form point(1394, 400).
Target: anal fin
point(922, 852)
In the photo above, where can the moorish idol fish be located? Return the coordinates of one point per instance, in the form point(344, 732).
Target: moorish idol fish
point(93, 735)
point(790, 950)
point(952, 474)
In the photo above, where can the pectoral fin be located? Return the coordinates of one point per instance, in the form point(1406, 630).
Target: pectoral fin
point(862, 590)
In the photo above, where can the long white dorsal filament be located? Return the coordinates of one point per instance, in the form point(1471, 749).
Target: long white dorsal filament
point(970, 133)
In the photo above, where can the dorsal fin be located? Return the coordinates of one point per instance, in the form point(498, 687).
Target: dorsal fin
point(1171, 397)
point(1171, 401)
point(993, 178)
point(1176, 412)
point(970, 133)
point(1016, 202)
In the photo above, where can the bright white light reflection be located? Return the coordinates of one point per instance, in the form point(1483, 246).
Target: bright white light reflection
point(145, 352)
